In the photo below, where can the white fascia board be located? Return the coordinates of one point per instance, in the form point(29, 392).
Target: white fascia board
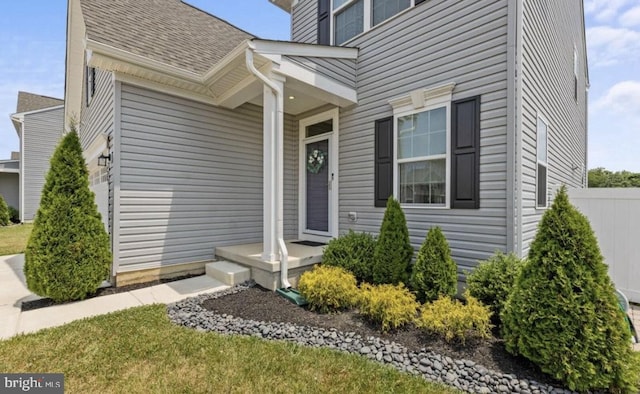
point(10, 170)
point(292, 70)
point(222, 67)
point(285, 48)
point(94, 48)
point(19, 117)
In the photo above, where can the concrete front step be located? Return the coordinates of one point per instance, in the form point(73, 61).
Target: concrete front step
point(227, 272)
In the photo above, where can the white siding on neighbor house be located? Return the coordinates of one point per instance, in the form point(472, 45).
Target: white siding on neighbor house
point(432, 44)
point(191, 179)
point(41, 133)
point(304, 22)
point(9, 188)
point(614, 215)
point(551, 29)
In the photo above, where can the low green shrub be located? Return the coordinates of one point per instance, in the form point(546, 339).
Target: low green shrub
point(434, 273)
point(353, 252)
point(328, 289)
point(391, 306)
point(14, 215)
point(492, 281)
point(454, 320)
point(4, 212)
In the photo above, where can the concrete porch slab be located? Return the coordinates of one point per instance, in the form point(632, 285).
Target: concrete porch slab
point(251, 255)
point(227, 272)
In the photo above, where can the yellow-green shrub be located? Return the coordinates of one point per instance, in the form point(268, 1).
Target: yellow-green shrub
point(454, 320)
point(390, 305)
point(328, 288)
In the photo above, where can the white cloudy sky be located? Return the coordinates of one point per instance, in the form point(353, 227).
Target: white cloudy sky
point(33, 60)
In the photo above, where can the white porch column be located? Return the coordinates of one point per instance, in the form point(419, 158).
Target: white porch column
point(272, 172)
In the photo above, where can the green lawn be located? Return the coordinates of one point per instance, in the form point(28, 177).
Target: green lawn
point(139, 351)
point(13, 239)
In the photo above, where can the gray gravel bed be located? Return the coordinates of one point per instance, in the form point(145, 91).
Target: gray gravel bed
point(465, 375)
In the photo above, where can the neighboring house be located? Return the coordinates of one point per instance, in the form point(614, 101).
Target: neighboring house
point(470, 113)
point(39, 122)
point(10, 180)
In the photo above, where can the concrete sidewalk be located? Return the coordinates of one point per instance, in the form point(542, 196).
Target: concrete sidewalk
point(13, 292)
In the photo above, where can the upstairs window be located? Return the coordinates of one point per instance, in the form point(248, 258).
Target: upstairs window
point(91, 84)
point(542, 163)
point(352, 17)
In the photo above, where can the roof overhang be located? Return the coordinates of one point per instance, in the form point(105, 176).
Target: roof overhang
point(285, 5)
point(229, 83)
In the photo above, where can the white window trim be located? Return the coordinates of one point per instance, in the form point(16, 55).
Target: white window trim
point(423, 100)
point(367, 18)
point(544, 120)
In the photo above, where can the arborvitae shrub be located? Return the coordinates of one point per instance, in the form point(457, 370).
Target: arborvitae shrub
point(388, 305)
point(454, 320)
point(14, 215)
point(393, 252)
point(328, 289)
point(435, 274)
point(492, 281)
point(563, 314)
point(4, 212)
point(68, 255)
point(353, 252)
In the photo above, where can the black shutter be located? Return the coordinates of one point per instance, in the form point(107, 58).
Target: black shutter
point(465, 153)
point(324, 22)
point(383, 161)
point(420, 1)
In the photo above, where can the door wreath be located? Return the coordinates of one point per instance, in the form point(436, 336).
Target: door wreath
point(316, 161)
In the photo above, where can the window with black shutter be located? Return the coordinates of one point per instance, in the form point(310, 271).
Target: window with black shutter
point(465, 153)
point(383, 161)
point(324, 22)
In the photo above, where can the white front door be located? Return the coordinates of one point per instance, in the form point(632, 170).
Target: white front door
point(318, 202)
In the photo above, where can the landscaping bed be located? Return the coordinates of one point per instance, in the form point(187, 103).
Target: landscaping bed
point(479, 366)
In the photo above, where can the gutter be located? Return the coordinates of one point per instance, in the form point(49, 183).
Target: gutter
point(278, 129)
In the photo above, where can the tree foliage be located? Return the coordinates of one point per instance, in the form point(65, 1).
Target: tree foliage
point(4, 212)
point(434, 273)
point(563, 314)
point(600, 177)
point(393, 252)
point(68, 254)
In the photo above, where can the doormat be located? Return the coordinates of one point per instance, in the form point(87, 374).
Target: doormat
point(309, 243)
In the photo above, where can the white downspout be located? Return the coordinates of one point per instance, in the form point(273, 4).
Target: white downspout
point(279, 131)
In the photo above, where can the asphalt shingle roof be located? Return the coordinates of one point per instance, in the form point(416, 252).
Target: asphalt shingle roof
point(32, 102)
point(169, 31)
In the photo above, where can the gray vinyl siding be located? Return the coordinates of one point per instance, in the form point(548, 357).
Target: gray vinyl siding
point(304, 22)
point(191, 179)
point(9, 188)
point(551, 28)
point(434, 43)
point(42, 132)
point(340, 70)
point(97, 118)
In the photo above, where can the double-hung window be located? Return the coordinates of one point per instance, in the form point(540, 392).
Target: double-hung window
point(422, 157)
point(352, 17)
point(541, 163)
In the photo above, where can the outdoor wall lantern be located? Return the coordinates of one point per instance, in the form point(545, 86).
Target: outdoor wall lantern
point(104, 159)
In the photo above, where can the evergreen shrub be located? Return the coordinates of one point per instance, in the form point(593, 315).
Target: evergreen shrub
point(68, 253)
point(393, 252)
point(354, 252)
point(563, 314)
point(391, 306)
point(328, 289)
point(435, 274)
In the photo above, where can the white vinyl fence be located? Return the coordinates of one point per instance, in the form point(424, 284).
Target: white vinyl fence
point(614, 214)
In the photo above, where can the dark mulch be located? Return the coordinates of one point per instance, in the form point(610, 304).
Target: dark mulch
point(262, 305)
point(46, 302)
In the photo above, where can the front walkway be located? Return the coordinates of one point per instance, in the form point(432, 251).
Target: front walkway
point(13, 292)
